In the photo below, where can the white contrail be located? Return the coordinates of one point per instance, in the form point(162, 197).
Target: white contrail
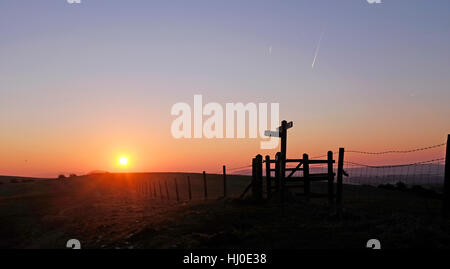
point(317, 49)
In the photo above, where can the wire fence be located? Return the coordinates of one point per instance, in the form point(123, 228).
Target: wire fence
point(386, 177)
point(369, 181)
point(424, 172)
point(182, 187)
point(429, 173)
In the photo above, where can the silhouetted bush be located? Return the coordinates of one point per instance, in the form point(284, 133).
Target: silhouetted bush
point(386, 186)
point(72, 175)
point(400, 186)
point(61, 176)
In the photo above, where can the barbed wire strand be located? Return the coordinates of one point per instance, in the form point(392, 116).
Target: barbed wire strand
point(386, 152)
point(396, 151)
point(395, 165)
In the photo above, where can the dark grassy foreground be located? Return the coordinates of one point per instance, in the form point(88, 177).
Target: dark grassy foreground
point(106, 211)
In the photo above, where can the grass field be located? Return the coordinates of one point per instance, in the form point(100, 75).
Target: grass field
point(118, 211)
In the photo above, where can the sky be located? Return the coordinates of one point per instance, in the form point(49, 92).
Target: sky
point(83, 84)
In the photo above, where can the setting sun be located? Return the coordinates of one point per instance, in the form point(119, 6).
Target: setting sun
point(123, 161)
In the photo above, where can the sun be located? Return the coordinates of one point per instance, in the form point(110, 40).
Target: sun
point(123, 161)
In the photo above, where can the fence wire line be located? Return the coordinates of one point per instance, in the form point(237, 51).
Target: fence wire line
point(237, 168)
point(371, 153)
point(386, 152)
point(397, 151)
point(397, 165)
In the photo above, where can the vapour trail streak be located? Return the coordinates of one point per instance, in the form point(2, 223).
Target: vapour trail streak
point(317, 49)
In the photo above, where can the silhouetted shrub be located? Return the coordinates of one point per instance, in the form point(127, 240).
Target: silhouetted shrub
point(386, 186)
point(72, 175)
point(400, 186)
point(61, 176)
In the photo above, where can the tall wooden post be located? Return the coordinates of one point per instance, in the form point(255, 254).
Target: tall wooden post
point(282, 175)
point(446, 206)
point(277, 171)
point(189, 188)
point(339, 187)
point(268, 178)
point(306, 178)
point(205, 186)
point(283, 136)
point(330, 178)
point(167, 190)
point(149, 189)
point(143, 187)
point(281, 161)
point(176, 189)
point(260, 176)
point(257, 178)
point(224, 181)
point(253, 185)
point(160, 189)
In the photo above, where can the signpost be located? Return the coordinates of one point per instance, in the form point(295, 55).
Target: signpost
point(281, 132)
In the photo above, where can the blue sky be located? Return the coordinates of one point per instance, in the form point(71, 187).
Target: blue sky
point(383, 68)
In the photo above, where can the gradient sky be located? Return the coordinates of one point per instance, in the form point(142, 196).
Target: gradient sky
point(81, 84)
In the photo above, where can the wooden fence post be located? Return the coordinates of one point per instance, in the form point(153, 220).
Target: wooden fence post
point(150, 189)
point(277, 171)
point(160, 189)
point(142, 188)
point(339, 187)
point(330, 179)
point(205, 186)
point(446, 206)
point(282, 175)
point(253, 183)
point(224, 181)
point(306, 178)
point(257, 178)
point(189, 187)
point(260, 176)
point(268, 178)
point(176, 190)
point(167, 190)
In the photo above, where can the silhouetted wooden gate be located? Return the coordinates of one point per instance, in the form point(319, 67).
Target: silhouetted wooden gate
point(280, 178)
